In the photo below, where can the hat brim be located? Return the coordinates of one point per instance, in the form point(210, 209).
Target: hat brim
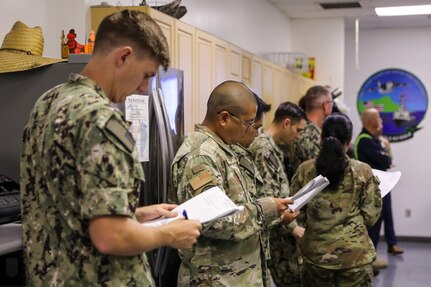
point(16, 62)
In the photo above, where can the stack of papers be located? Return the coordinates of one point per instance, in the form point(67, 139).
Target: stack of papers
point(310, 190)
point(211, 204)
point(388, 180)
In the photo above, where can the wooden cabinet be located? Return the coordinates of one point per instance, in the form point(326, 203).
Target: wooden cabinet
point(203, 75)
point(220, 61)
point(235, 62)
point(184, 53)
point(167, 24)
point(256, 74)
point(246, 61)
point(207, 61)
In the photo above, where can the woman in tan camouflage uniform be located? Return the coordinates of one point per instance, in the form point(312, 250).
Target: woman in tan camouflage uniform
point(336, 248)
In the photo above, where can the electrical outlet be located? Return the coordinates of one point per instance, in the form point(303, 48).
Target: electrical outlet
point(408, 212)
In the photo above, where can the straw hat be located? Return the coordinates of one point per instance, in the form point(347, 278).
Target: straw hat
point(22, 49)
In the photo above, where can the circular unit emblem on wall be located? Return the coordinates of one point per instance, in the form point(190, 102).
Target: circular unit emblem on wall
point(401, 99)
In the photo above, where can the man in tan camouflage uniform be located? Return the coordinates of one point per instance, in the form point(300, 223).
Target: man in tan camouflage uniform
point(317, 104)
point(289, 120)
point(254, 180)
point(80, 176)
point(229, 251)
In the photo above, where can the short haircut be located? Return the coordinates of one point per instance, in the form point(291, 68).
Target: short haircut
point(289, 110)
point(314, 98)
point(230, 96)
point(262, 107)
point(134, 28)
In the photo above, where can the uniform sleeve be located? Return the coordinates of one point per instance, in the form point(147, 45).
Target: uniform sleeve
point(255, 217)
point(371, 200)
point(271, 186)
point(107, 173)
point(369, 151)
point(298, 181)
point(269, 173)
point(305, 148)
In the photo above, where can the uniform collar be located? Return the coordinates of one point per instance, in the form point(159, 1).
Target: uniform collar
point(312, 125)
point(213, 136)
point(365, 131)
point(86, 81)
point(271, 142)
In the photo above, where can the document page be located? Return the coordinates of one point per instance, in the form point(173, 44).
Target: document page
point(309, 190)
point(136, 112)
point(388, 180)
point(209, 205)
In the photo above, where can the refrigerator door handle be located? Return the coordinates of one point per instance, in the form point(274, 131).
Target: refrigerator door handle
point(161, 261)
point(163, 145)
point(170, 140)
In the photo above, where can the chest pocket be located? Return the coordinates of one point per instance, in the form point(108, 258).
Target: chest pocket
point(250, 168)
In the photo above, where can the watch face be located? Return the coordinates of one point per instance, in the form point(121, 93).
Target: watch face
point(401, 99)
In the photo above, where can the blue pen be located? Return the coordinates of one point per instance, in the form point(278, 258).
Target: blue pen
point(185, 214)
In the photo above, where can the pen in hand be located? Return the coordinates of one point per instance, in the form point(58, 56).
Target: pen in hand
point(185, 214)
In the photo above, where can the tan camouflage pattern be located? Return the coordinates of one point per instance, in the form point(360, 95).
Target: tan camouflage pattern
point(268, 158)
point(254, 185)
point(315, 276)
point(228, 252)
point(306, 146)
point(337, 220)
point(74, 169)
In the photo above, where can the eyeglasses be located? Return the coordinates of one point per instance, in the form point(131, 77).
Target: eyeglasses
point(248, 124)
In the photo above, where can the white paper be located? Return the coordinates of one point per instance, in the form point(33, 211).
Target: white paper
point(388, 180)
point(307, 192)
point(136, 112)
point(209, 205)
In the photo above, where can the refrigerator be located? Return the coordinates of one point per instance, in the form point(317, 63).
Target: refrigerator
point(163, 133)
point(166, 134)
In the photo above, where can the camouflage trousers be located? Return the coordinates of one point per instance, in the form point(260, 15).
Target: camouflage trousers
point(284, 266)
point(315, 276)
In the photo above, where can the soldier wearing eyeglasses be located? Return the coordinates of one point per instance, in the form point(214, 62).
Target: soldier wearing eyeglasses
point(228, 252)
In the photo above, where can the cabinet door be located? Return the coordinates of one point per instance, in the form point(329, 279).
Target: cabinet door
point(267, 91)
point(220, 62)
point(203, 76)
point(256, 75)
point(184, 59)
point(235, 63)
point(246, 73)
point(167, 24)
point(294, 87)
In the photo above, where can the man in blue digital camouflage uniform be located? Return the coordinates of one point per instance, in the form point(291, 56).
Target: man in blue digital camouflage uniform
point(288, 123)
point(80, 176)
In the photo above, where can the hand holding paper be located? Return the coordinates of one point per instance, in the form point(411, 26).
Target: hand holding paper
point(305, 194)
point(209, 205)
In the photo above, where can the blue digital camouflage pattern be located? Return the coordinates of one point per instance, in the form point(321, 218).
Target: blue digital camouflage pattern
point(78, 162)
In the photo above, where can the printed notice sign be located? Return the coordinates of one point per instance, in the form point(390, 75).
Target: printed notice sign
point(136, 112)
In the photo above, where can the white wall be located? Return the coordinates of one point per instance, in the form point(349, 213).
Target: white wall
point(407, 49)
point(324, 40)
point(254, 25)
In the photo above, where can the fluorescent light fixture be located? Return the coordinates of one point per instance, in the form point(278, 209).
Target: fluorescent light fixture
point(403, 10)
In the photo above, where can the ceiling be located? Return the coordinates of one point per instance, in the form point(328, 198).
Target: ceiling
point(298, 9)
